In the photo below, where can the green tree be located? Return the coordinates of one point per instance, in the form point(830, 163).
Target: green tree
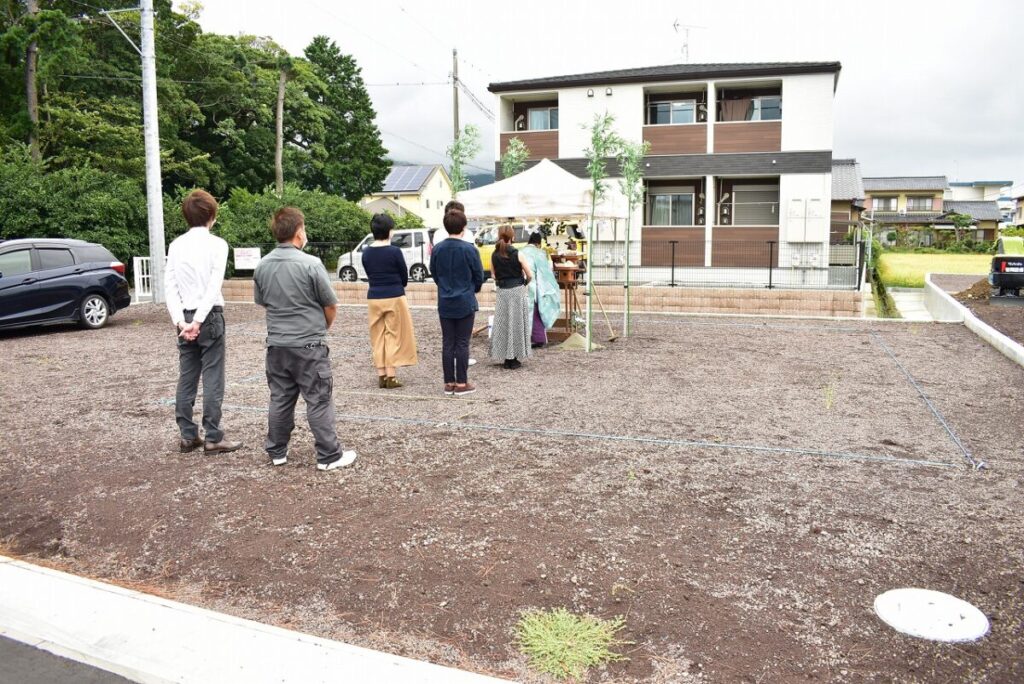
point(604, 143)
point(961, 223)
point(245, 217)
point(514, 159)
point(407, 221)
point(631, 156)
point(79, 202)
point(462, 150)
point(351, 160)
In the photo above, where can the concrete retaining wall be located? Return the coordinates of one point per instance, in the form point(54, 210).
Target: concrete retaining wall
point(940, 305)
point(952, 310)
point(844, 303)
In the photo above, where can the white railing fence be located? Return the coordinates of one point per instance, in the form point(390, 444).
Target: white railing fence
point(143, 279)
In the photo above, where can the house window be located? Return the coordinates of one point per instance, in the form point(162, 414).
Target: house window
point(670, 209)
point(883, 203)
point(766, 108)
point(679, 112)
point(919, 203)
point(543, 119)
point(755, 205)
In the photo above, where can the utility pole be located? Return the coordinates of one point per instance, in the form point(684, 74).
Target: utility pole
point(455, 92)
point(151, 132)
point(31, 94)
point(282, 81)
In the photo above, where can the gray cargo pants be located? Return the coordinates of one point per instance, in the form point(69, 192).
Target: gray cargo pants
point(205, 356)
point(293, 371)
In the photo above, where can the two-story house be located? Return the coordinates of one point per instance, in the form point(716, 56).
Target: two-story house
point(997, 191)
point(740, 154)
point(920, 206)
point(422, 190)
point(847, 198)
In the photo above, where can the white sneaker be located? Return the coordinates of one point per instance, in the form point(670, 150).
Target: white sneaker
point(347, 458)
point(279, 461)
point(472, 362)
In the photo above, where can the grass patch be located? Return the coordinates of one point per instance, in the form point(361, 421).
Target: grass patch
point(898, 269)
point(565, 645)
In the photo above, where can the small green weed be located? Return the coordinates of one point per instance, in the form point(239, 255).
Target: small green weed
point(565, 645)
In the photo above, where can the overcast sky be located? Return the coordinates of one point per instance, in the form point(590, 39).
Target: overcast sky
point(927, 88)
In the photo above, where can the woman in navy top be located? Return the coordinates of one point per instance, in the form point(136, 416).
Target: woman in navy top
point(391, 334)
point(456, 268)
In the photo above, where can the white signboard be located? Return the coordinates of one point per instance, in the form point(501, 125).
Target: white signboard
point(246, 258)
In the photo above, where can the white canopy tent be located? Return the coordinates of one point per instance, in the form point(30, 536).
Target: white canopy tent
point(545, 190)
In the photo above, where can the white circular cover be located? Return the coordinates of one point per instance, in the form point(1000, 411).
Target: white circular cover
point(931, 615)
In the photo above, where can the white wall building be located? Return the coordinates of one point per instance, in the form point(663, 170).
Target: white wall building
point(739, 170)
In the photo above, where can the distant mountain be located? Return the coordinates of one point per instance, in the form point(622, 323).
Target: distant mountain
point(477, 180)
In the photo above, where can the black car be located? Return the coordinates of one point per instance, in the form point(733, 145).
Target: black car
point(59, 281)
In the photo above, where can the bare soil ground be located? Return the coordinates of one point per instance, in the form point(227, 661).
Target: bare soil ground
point(1007, 319)
point(650, 479)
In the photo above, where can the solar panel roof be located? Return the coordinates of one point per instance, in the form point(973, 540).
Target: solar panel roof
point(407, 178)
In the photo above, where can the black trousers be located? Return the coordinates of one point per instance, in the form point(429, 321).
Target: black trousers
point(295, 371)
point(205, 356)
point(455, 334)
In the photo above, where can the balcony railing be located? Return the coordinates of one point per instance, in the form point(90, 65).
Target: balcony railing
point(541, 144)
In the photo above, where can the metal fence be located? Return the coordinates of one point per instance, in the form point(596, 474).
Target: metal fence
point(732, 263)
point(671, 263)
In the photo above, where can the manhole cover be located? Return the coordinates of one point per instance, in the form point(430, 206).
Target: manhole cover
point(931, 615)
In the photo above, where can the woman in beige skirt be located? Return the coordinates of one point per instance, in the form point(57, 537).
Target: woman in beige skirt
point(391, 334)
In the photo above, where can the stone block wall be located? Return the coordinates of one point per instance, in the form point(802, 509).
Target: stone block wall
point(645, 299)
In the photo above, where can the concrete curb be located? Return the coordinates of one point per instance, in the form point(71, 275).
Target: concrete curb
point(617, 315)
point(156, 641)
point(946, 308)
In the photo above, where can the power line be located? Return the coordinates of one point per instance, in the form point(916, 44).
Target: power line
point(422, 83)
point(475, 100)
point(389, 48)
point(134, 79)
point(432, 151)
point(442, 41)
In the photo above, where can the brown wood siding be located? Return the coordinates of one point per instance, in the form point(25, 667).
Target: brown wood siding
point(744, 247)
point(748, 136)
point(677, 139)
point(541, 143)
point(656, 248)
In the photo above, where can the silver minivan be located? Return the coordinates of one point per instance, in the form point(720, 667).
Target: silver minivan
point(415, 245)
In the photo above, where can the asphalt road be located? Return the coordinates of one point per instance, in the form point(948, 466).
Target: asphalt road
point(24, 664)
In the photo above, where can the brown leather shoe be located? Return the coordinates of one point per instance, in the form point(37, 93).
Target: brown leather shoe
point(221, 447)
point(188, 445)
point(391, 382)
point(449, 388)
point(464, 389)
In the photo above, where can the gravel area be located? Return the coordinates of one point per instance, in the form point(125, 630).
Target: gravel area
point(1007, 316)
point(740, 490)
point(951, 282)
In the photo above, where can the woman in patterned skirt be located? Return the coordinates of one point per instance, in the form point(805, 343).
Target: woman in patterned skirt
point(513, 317)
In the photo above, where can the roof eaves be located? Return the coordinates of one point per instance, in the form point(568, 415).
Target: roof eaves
point(657, 74)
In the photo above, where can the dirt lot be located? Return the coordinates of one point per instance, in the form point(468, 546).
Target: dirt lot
point(1007, 319)
point(666, 479)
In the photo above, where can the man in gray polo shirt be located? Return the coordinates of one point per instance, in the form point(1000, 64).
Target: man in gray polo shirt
point(301, 305)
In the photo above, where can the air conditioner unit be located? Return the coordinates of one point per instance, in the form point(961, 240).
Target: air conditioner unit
point(902, 212)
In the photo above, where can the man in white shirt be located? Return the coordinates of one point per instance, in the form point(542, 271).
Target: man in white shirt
point(192, 286)
point(442, 234)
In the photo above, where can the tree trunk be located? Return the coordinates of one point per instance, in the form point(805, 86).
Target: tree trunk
point(31, 94)
point(279, 147)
